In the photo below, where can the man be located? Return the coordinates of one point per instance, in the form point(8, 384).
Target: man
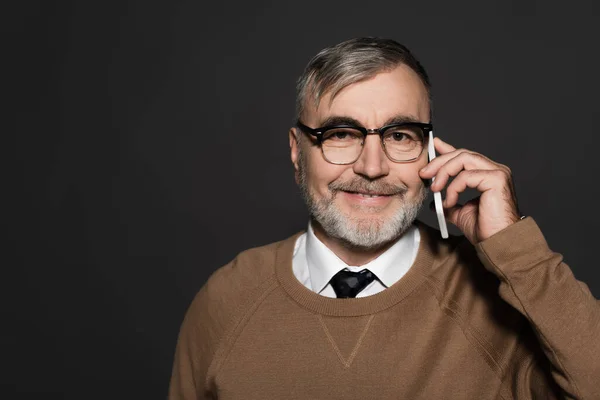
point(370, 304)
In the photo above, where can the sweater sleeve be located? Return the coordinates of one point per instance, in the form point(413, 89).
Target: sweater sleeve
point(213, 319)
point(198, 338)
point(562, 311)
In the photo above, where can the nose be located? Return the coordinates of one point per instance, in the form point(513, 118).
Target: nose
point(372, 163)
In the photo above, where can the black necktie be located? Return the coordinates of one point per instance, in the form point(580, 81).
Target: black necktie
point(349, 284)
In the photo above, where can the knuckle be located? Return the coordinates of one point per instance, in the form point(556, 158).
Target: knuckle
point(470, 173)
point(501, 174)
point(460, 179)
point(471, 158)
point(482, 157)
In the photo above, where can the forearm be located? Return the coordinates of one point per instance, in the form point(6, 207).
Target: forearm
point(561, 310)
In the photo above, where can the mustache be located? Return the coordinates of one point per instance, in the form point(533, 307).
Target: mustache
point(366, 186)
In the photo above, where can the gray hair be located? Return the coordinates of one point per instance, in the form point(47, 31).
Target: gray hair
point(354, 60)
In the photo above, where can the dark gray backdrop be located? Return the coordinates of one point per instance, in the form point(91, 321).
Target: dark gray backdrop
point(150, 147)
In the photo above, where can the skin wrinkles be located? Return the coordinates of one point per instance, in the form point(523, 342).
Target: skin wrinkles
point(354, 228)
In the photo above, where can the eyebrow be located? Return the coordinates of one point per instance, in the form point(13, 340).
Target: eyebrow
point(346, 120)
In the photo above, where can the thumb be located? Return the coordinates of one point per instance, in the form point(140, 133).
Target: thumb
point(452, 214)
point(464, 217)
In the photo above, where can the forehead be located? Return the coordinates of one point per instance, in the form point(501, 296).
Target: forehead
point(375, 100)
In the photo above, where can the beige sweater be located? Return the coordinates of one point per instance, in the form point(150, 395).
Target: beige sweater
point(505, 319)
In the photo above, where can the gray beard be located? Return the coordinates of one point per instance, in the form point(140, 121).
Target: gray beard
point(363, 233)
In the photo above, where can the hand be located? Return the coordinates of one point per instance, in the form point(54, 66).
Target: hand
point(496, 207)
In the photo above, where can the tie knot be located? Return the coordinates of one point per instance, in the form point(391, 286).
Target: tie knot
point(349, 284)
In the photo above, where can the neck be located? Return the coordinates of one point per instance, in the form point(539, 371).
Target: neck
point(351, 255)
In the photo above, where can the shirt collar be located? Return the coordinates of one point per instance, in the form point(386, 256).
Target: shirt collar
point(389, 267)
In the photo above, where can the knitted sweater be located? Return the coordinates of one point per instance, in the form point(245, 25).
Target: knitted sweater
point(504, 319)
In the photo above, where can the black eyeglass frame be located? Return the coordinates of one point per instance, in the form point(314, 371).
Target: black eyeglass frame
point(319, 132)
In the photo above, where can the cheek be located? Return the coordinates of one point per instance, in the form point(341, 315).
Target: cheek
point(321, 173)
point(410, 177)
point(413, 178)
point(414, 182)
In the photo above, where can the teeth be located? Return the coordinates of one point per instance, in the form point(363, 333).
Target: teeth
point(368, 195)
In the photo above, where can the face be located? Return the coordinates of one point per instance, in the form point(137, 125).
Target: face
point(374, 200)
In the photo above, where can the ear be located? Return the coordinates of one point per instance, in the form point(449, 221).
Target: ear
point(294, 144)
point(295, 150)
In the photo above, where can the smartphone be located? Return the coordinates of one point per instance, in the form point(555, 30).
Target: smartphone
point(437, 196)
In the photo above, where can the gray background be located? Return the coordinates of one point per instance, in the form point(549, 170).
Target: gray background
point(148, 146)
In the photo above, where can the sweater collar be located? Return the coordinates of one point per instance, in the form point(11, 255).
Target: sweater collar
point(389, 267)
point(424, 263)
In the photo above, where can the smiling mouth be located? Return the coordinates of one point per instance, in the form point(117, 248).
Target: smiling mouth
point(369, 195)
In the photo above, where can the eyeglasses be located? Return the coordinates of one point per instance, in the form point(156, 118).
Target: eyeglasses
point(343, 144)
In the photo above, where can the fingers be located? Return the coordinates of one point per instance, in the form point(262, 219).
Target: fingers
point(447, 152)
point(452, 161)
point(463, 160)
point(431, 169)
point(466, 179)
point(442, 147)
point(470, 169)
point(481, 180)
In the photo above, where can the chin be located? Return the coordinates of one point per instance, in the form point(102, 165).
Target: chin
point(368, 230)
point(367, 219)
point(368, 234)
point(364, 226)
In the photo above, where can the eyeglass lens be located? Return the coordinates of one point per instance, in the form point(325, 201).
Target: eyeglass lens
point(344, 145)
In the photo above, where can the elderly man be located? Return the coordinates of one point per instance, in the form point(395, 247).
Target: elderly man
point(369, 303)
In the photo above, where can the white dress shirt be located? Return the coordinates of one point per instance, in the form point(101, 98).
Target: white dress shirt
point(314, 264)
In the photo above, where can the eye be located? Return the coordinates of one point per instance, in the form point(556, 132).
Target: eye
point(398, 136)
point(402, 134)
point(342, 135)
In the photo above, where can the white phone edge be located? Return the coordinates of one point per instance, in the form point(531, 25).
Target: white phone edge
point(437, 196)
